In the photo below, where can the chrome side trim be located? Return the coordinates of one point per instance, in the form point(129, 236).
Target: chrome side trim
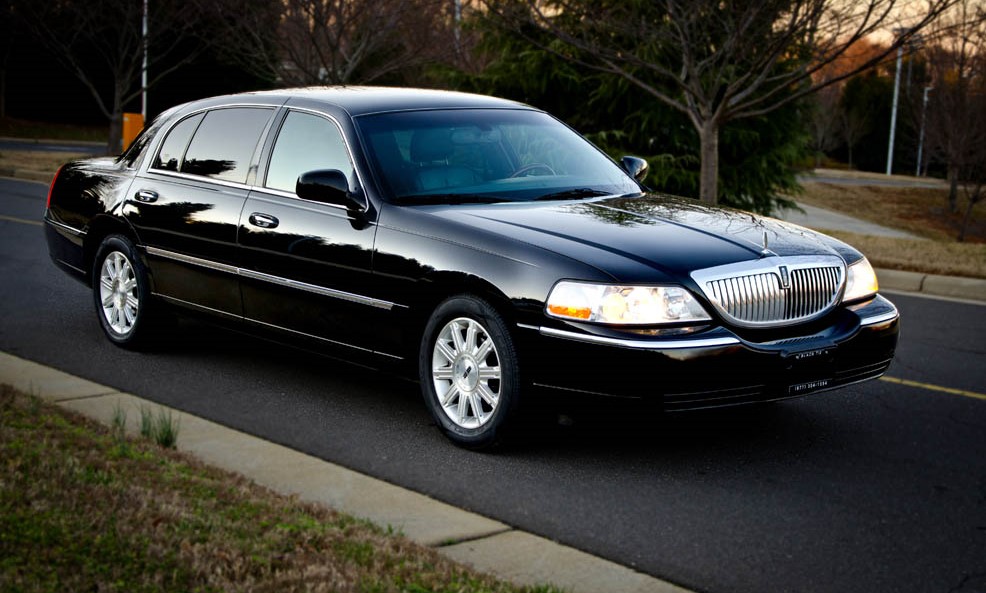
point(321, 339)
point(320, 290)
point(245, 273)
point(195, 261)
point(671, 344)
point(65, 227)
point(197, 306)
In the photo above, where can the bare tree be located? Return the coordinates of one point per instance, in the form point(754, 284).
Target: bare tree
point(313, 42)
point(956, 117)
point(825, 122)
point(101, 43)
point(854, 123)
point(718, 61)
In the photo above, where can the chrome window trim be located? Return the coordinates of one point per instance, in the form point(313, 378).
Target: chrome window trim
point(200, 179)
point(659, 344)
point(345, 142)
point(260, 193)
point(278, 280)
point(274, 107)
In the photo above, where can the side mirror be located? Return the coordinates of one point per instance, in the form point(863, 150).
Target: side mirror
point(636, 167)
point(330, 186)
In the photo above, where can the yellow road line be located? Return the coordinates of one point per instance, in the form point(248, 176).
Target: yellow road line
point(20, 220)
point(931, 387)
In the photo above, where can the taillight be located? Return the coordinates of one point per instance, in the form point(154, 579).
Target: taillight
point(52, 187)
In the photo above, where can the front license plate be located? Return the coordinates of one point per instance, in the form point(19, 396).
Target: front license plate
point(808, 386)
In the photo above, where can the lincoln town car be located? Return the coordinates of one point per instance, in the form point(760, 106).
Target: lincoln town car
point(480, 245)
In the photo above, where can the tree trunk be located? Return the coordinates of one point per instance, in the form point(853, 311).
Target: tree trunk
point(850, 155)
point(115, 143)
point(953, 187)
point(973, 200)
point(708, 189)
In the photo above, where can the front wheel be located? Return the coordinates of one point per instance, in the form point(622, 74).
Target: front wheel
point(469, 373)
point(121, 293)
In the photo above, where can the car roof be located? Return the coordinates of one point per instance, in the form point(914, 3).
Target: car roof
point(363, 100)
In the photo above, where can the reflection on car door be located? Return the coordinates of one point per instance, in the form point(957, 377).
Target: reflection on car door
point(305, 266)
point(186, 207)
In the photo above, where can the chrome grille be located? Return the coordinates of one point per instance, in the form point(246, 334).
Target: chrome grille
point(774, 291)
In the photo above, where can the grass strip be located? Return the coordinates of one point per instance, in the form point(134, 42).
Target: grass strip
point(85, 508)
point(918, 255)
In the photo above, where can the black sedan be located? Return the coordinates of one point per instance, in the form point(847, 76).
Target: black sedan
point(481, 242)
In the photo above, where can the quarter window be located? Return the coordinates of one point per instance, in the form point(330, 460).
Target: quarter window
point(174, 145)
point(306, 142)
point(225, 142)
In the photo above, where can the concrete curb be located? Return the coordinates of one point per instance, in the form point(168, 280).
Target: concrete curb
point(468, 538)
point(973, 289)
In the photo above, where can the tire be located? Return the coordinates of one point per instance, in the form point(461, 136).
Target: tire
point(121, 294)
point(469, 374)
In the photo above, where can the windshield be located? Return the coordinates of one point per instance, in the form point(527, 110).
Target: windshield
point(485, 155)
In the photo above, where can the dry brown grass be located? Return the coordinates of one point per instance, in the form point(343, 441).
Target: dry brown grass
point(921, 211)
point(16, 162)
point(83, 508)
point(948, 258)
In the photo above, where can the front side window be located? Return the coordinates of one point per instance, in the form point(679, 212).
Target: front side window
point(224, 143)
point(486, 155)
point(306, 142)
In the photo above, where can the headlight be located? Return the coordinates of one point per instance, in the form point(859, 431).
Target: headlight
point(624, 305)
point(860, 281)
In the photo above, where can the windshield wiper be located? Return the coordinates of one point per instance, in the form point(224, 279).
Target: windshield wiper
point(571, 194)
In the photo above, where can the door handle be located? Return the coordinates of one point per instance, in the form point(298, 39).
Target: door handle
point(147, 196)
point(264, 221)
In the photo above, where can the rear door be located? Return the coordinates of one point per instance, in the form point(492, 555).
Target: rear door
point(186, 206)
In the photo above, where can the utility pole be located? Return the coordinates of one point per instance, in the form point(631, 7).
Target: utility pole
point(924, 110)
point(893, 112)
point(143, 70)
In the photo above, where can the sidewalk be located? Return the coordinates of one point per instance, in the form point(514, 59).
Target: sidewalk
point(469, 538)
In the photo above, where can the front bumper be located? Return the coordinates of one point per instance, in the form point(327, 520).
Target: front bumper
point(716, 367)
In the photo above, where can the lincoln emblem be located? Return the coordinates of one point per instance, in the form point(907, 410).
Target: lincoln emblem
point(785, 277)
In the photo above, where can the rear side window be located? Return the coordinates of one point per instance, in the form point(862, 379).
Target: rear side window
point(222, 143)
point(306, 142)
point(173, 147)
point(223, 146)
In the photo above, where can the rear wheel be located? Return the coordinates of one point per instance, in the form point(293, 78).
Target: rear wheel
point(469, 373)
point(121, 293)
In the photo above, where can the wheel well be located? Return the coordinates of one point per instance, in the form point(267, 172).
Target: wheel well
point(100, 228)
point(443, 286)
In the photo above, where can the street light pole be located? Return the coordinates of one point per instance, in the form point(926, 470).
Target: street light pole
point(893, 112)
point(924, 110)
point(143, 70)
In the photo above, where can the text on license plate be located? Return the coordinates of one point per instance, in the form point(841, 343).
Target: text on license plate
point(808, 386)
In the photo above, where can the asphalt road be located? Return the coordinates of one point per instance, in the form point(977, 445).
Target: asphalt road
point(879, 487)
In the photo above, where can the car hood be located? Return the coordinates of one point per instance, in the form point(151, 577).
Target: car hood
point(629, 237)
